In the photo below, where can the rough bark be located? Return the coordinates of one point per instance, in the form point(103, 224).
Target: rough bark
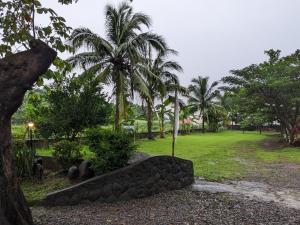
point(149, 120)
point(162, 128)
point(119, 102)
point(162, 119)
point(203, 128)
point(18, 73)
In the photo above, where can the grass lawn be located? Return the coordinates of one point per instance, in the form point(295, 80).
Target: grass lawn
point(35, 191)
point(18, 131)
point(217, 156)
point(87, 154)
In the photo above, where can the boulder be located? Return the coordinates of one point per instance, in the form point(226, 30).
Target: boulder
point(138, 156)
point(73, 173)
point(38, 169)
point(39, 161)
point(85, 170)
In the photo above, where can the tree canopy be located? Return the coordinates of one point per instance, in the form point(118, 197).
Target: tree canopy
point(272, 87)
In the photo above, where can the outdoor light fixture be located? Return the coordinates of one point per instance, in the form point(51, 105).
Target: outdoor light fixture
point(30, 125)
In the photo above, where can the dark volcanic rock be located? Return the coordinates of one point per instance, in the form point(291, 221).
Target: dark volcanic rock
point(138, 156)
point(85, 170)
point(73, 173)
point(144, 178)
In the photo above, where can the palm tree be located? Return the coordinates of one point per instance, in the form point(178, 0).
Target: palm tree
point(159, 76)
point(202, 95)
point(115, 58)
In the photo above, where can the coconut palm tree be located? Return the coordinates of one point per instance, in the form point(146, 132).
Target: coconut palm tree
point(202, 96)
point(115, 58)
point(159, 76)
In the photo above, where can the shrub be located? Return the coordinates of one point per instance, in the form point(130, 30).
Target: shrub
point(24, 158)
point(112, 149)
point(67, 153)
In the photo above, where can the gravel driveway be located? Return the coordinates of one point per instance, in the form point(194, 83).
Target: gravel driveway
point(178, 207)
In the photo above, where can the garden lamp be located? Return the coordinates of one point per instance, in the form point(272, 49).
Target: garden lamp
point(30, 127)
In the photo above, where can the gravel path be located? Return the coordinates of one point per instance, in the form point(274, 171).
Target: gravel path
point(177, 207)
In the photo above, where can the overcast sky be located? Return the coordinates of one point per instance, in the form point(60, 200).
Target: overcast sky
point(212, 36)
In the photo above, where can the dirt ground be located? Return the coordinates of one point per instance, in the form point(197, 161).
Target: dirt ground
point(282, 174)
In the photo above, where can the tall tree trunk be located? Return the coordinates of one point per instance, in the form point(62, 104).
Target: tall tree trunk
point(282, 132)
point(260, 129)
point(18, 73)
point(117, 113)
point(203, 130)
point(149, 120)
point(162, 131)
point(119, 103)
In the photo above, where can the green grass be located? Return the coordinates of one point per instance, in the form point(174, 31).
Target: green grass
point(18, 131)
point(87, 154)
point(215, 155)
point(141, 126)
point(35, 191)
point(286, 155)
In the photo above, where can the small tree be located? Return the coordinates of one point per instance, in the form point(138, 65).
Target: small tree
point(162, 110)
point(216, 117)
point(258, 120)
point(75, 103)
point(184, 116)
point(245, 123)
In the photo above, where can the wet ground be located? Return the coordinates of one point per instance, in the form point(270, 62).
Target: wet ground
point(253, 190)
point(183, 207)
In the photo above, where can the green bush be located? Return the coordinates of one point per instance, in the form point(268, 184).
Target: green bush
point(24, 158)
point(67, 153)
point(112, 149)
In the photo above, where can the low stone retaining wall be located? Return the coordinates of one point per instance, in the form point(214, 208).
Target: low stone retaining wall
point(144, 178)
point(49, 163)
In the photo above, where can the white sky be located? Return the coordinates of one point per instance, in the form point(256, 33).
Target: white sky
point(212, 36)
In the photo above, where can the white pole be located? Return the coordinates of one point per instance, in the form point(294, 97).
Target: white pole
point(176, 122)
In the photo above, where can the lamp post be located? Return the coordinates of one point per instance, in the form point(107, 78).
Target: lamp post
point(30, 127)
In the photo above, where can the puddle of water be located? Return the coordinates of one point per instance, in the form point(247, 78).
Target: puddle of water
point(254, 190)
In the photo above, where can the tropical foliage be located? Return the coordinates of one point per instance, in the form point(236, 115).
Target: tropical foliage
point(271, 88)
point(202, 96)
point(112, 149)
point(116, 58)
point(74, 103)
point(160, 76)
point(67, 153)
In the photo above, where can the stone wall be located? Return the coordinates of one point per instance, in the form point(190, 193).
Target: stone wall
point(144, 178)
